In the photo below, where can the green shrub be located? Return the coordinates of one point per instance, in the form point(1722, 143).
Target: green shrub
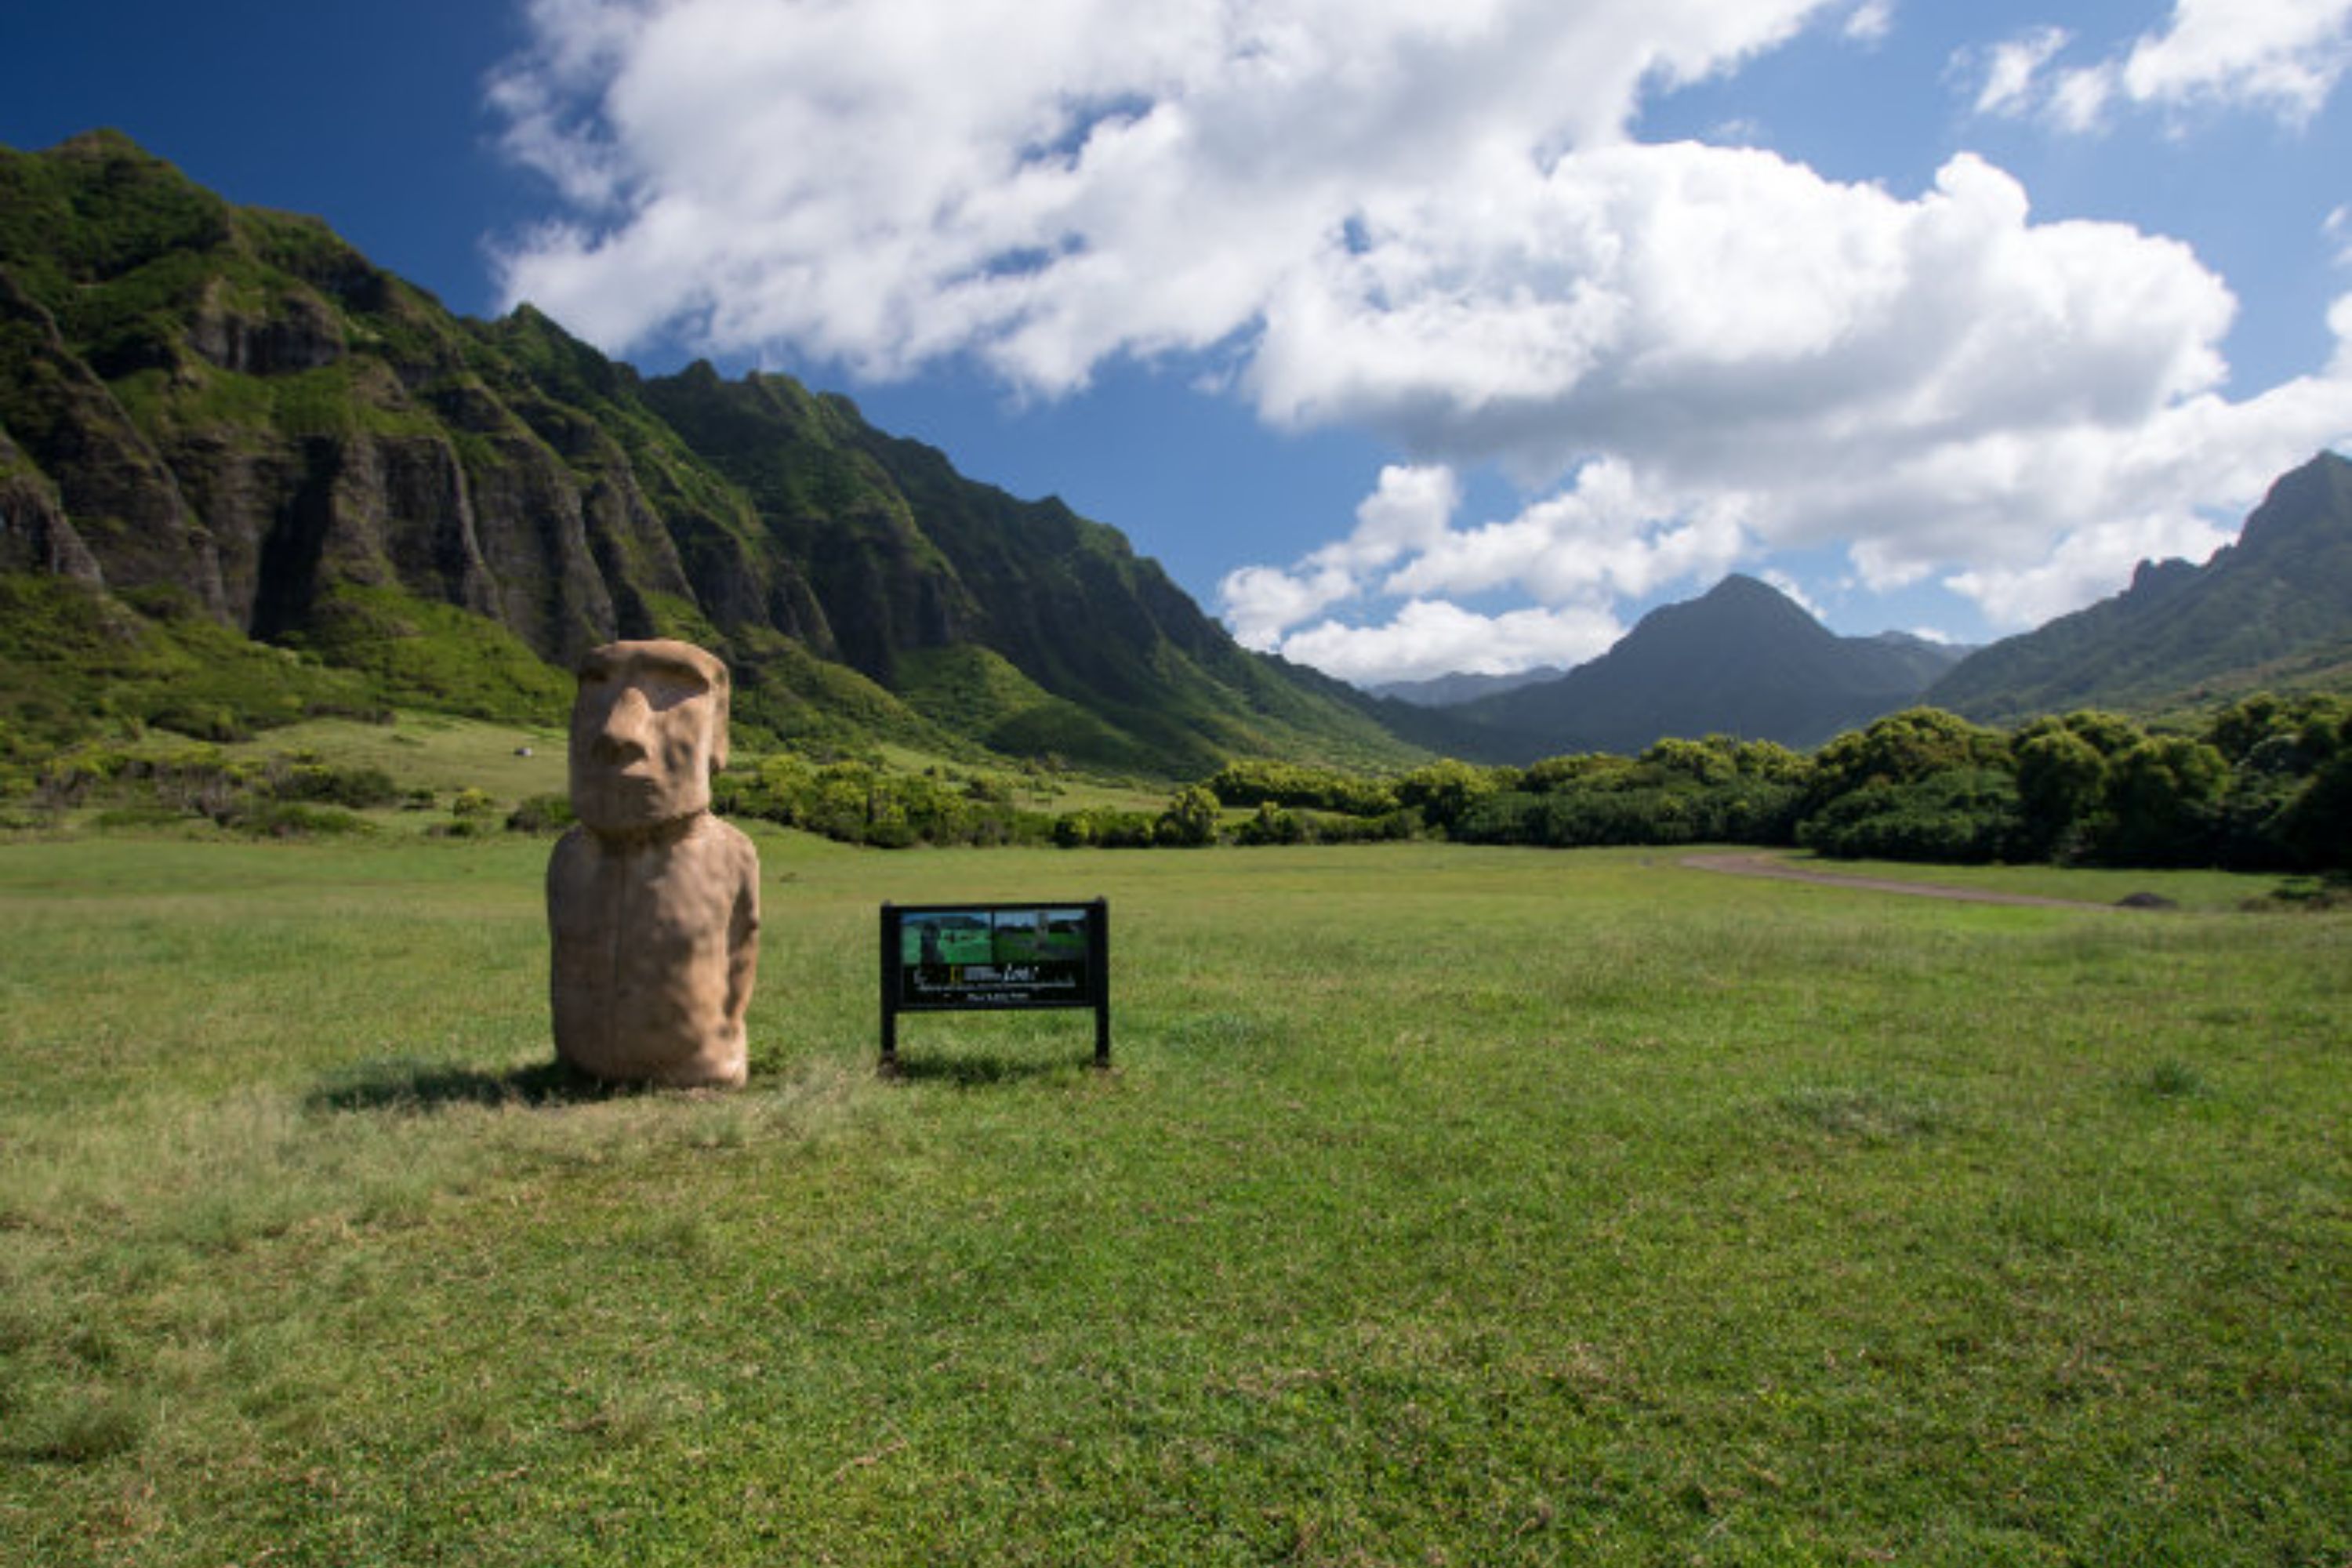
point(359, 788)
point(292, 819)
point(1960, 816)
point(541, 814)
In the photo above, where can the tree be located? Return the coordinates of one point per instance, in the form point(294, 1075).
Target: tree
point(1446, 789)
point(2165, 795)
point(2061, 785)
point(1903, 748)
point(1190, 818)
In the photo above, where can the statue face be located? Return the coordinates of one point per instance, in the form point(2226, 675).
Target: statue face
point(648, 728)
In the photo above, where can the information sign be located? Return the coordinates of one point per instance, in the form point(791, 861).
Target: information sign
point(977, 957)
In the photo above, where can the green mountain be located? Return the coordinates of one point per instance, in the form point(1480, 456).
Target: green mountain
point(2273, 610)
point(221, 425)
point(1743, 659)
point(1452, 691)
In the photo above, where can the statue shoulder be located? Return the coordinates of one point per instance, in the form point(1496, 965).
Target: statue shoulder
point(575, 849)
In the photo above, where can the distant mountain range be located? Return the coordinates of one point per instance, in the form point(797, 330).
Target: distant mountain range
point(1743, 659)
point(229, 413)
point(239, 460)
point(1452, 690)
point(2273, 611)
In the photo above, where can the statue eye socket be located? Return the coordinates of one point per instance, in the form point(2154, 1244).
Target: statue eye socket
point(662, 685)
point(669, 687)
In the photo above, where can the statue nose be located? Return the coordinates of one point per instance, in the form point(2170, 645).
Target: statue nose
point(621, 737)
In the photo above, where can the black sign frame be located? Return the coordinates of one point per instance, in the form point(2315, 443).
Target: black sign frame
point(1036, 953)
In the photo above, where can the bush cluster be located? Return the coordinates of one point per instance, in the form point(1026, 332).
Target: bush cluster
point(859, 801)
point(1677, 792)
point(1258, 782)
point(277, 796)
point(2264, 784)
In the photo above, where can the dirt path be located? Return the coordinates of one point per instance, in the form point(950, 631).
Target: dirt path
point(1751, 865)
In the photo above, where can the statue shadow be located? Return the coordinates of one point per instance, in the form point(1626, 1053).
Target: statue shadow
point(408, 1086)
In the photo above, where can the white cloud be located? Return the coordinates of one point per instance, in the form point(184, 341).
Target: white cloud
point(1407, 514)
point(2087, 564)
point(1431, 637)
point(1430, 222)
point(1871, 21)
point(1699, 310)
point(2010, 76)
point(1260, 603)
point(1606, 536)
point(1772, 361)
point(1043, 183)
point(2286, 55)
point(2282, 56)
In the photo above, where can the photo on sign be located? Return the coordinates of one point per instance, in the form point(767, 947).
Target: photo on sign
point(992, 937)
point(1011, 956)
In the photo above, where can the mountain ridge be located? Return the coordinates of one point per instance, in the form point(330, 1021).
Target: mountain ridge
point(235, 406)
point(1742, 660)
point(2276, 602)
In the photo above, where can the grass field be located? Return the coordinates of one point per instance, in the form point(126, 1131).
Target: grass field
point(1445, 1205)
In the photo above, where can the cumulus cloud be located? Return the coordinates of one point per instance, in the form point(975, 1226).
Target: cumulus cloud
point(1407, 514)
point(1604, 537)
point(1431, 637)
point(1772, 361)
point(1430, 222)
point(1040, 183)
point(2282, 56)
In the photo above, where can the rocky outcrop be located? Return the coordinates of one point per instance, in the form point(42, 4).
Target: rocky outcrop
point(35, 535)
point(107, 478)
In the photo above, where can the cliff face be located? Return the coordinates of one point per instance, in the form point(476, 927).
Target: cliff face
point(233, 407)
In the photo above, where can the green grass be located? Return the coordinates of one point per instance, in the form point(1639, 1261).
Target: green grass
point(2191, 889)
point(1443, 1206)
point(431, 751)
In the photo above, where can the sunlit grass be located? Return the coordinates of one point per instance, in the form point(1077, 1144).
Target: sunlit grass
point(1442, 1204)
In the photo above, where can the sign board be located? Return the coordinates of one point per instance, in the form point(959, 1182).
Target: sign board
point(995, 957)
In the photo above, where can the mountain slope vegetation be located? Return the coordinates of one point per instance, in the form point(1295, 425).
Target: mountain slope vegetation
point(231, 413)
point(1743, 659)
point(2273, 611)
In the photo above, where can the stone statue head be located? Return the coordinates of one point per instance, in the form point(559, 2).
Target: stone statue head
point(648, 729)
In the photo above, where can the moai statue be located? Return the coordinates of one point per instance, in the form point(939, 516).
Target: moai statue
point(652, 902)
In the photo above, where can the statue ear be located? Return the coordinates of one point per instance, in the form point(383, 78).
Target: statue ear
point(719, 720)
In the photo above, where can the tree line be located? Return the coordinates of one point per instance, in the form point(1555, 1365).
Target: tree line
point(2264, 784)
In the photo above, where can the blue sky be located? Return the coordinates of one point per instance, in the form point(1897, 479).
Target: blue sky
point(1409, 336)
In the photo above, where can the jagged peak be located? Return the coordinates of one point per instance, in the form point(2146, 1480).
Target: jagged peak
point(2316, 497)
point(2170, 572)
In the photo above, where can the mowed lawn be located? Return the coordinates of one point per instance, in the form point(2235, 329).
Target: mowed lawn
point(1442, 1206)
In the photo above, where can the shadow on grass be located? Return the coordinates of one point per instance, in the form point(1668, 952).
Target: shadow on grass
point(977, 1071)
point(402, 1086)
